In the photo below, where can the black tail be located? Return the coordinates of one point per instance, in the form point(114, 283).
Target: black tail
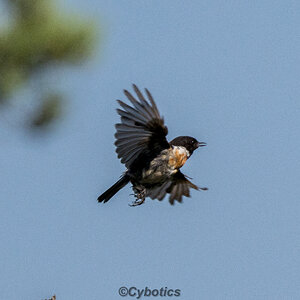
point(114, 189)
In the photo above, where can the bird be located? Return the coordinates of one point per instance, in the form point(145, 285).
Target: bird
point(152, 163)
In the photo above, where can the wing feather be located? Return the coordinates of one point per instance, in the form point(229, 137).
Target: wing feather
point(177, 186)
point(142, 132)
point(155, 110)
point(145, 105)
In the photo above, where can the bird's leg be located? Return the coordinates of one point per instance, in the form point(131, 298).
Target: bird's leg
point(140, 195)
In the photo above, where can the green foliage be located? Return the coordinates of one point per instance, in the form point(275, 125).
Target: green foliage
point(49, 110)
point(39, 37)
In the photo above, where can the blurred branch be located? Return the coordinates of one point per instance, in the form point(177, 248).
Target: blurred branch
point(40, 36)
point(52, 298)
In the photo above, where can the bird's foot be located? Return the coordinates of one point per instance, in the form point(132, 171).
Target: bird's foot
point(140, 196)
point(137, 202)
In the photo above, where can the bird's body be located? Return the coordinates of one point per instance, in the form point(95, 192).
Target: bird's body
point(153, 164)
point(167, 163)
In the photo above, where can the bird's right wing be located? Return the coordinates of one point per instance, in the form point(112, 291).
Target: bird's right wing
point(177, 186)
point(141, 133)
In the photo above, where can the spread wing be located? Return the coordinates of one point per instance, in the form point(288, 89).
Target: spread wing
point(177, 186)
point(141, 133)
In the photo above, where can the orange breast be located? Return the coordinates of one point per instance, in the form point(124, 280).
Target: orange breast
point(177, 158)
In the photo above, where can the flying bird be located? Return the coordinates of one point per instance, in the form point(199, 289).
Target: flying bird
point(153, 164)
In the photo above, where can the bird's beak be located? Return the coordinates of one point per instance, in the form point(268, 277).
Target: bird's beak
point(201, 144)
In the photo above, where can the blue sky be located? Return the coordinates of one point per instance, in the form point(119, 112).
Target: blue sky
point(226, 72)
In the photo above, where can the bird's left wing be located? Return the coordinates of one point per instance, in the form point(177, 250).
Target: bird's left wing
point(142, 132)
point(177, 186)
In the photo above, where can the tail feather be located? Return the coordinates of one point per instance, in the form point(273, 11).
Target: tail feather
point(114, 189)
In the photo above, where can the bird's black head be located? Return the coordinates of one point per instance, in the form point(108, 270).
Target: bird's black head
point(188, 142)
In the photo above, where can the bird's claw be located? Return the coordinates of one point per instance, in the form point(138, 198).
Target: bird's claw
point(140, 196)
point(137, 202)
